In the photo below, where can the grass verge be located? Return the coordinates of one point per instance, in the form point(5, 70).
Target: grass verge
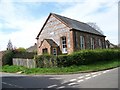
point(63, 70)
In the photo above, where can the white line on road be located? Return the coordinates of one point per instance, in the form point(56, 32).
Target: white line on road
point(13, 85)
point(88, 78)
point(81, 77)
point(51, 86)
point(94, 75)
point(61, 87)
point(99, 74)
point(105, 71)
point(87, 75)
point(73, 80)
point(80, 80)
point(71, 84)
point(64, 82)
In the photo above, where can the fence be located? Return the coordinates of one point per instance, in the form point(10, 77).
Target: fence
point(29, 63)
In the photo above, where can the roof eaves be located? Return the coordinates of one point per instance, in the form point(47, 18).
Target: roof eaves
point(43, 26)
point(87, 32)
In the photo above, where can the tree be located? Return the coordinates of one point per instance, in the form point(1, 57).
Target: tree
point(9, 46)
point(21, 49)
point(95, 26)
point(7, 58)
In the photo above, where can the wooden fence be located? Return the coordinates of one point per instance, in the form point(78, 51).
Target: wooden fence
point(29, 63)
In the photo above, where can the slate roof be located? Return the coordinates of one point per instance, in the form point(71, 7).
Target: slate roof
point(51, 42)
point(32, 48)
point(73, 24)
point(77, 25)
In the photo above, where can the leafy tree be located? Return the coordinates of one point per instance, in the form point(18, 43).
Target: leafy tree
point(21, 49)
point(7, 57)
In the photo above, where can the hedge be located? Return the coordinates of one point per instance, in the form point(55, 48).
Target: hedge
point(24, 55)
point(82, 57)
point(46, 61)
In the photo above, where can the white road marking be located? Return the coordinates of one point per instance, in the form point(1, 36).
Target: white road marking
point(55, 78)
point(94, 75)
point(71, 84)
point(80, 80)
point(88, 78)
point(61, 87)
point(107, 70)
point(64, 82)
point(51, 86)
point(99, 74)
point(87, 75)
point(11, 85)
point(73, 80)
point(81, 77)
point(104, 71)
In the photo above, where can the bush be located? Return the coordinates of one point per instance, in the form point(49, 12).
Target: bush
point(46, 61)
point(91, 56)
point(7, 58)
point(21, 53)
point(83, 57)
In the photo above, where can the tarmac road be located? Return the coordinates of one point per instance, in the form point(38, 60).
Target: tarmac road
point(102, 79)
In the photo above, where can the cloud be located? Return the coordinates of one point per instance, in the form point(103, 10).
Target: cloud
point(106, 19)
point(17, 16)
point(23, 27)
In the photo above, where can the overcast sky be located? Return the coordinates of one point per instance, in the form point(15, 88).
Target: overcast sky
point(21, 21)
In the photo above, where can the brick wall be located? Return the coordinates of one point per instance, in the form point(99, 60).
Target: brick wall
point(55, 29)
point(87, 37)
point(1, 55)
point(43, 46)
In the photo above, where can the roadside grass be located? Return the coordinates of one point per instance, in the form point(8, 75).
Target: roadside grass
point(63, 70)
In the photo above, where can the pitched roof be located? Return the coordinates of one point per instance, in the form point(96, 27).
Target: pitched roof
point(32, 48)
point(77, 25)
point(74, 24)
point(51, 42)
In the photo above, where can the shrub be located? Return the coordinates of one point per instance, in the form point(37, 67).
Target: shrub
point(21, 49)
point(23, 54)
point(7, 57)
point(45, 60)
point(82, 57)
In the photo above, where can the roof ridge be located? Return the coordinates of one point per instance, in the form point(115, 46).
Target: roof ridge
point(60, 16)
point(67, 17)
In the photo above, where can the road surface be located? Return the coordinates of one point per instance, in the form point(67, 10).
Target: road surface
point(101, 79)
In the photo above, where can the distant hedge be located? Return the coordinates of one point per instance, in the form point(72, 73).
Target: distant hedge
point(10, 54)
point(24, 55)
point(82, 57)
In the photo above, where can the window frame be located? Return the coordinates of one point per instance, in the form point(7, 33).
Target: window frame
point(100, 43)
point(92, 43)
point(82, 42)
point(54, 51)
point(64, 44)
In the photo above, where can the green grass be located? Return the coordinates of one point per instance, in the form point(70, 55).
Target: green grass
point(63, 70)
